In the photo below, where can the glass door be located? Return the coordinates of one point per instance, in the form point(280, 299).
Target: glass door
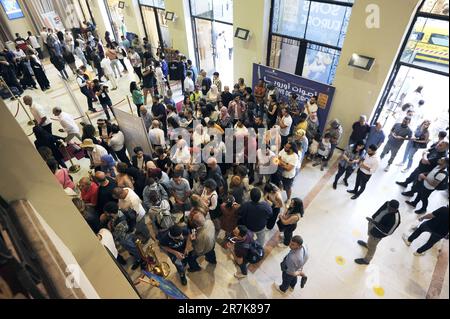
point(205, 45)
point(434, 93)
point(148, 15)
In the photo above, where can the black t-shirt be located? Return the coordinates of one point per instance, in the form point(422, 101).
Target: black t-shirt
point(105, 195)
point(103, 98)
point(179, 246)
point(206, 85)
point(254, 216)
point(158, 110)
point(162, 164)
point(148, 56)
point(149, 80)
point(227, 97)
point(439, 224)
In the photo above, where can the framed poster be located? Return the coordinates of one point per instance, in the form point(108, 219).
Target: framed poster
point(12, 9)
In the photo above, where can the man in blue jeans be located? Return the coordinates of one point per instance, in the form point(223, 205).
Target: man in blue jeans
point(174, 243)
point(292, 265)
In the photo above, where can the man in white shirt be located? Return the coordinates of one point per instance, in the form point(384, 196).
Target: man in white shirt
point(95, 152)
point(33, 41)
point(39, 114)
point(285, 125)
point(427, 183)
point(189, 86)
point(128, 199)
point(366, 169)
point(68, 124)
point(109, 73)
point(156, 135)
point(288, 162)
point(264, 164)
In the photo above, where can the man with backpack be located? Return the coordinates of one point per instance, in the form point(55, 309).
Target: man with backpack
point(122, 224)
point(245, 249)
point(382, 224)
point(128, 199)
point(427, 183)
point(159, 212)
point(292, 265)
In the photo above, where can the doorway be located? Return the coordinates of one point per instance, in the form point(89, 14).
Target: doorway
point(435, 94)
point(215, 48)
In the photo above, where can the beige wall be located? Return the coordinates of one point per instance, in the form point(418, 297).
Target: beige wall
point(181, 29)
point(252, 15)
point(26, 176)
point(102, 24)
point(21, 26)
point(358, 91)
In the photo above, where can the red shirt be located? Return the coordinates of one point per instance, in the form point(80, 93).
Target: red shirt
point(91, 195)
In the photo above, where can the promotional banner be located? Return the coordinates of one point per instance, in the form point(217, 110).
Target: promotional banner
point(133, 128)
point(287, 83)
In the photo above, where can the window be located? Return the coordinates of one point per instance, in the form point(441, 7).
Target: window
point(320, 63)
point(428, 45)
point(327, 23)
point(219, 10)
point(436, 7)
point(307, 36)
point(153, 3)
point(439, 39)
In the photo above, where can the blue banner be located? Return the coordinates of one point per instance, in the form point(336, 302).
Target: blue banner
point(287, 83)
point(12, 9)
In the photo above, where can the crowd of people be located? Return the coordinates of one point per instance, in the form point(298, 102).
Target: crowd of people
point(241, 188)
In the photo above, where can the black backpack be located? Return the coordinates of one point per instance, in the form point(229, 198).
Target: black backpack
point(255, 252)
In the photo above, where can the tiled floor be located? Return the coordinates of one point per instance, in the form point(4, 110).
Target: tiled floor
point(331, 226)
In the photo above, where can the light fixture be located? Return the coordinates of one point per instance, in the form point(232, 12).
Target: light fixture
point(361, 62)
point(242, 34)
point(170, 16)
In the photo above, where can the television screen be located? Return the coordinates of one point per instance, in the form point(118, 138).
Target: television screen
point(12, 9)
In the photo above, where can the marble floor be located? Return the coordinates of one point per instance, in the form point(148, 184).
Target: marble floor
point(330, 228)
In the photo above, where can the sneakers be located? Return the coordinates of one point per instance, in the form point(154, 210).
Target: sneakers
point(239, 275)
point(387, 168)
point(405, 239)
point(354, 197)
point(410, 203)
point(408, 194)
point(418, 254)
point(183, 280)
point(277, 288)
point(402, 184)
point(361, 261)
point(405, 170)
point(303, 282)
point(420, 211)
point(362, 243)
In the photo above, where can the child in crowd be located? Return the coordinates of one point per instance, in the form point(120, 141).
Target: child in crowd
point(323, 151)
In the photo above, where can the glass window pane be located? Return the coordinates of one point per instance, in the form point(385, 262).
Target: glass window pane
point(205, 44)
point(320, 63)
point(289, 17)
point(202, 8)
point(284, 54)
point(327, 23)
point(428, 45)
point(221, 10)
point(436, 7)
point(153, 3)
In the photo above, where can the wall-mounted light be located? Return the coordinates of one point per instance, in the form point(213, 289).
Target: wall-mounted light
point(121, 5)
point(242, 34)
point(361, 62)
point(170, 16)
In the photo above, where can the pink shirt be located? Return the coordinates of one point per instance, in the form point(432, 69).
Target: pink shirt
point(62, 175)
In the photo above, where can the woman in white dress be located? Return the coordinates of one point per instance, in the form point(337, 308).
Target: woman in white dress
point(160, 79)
